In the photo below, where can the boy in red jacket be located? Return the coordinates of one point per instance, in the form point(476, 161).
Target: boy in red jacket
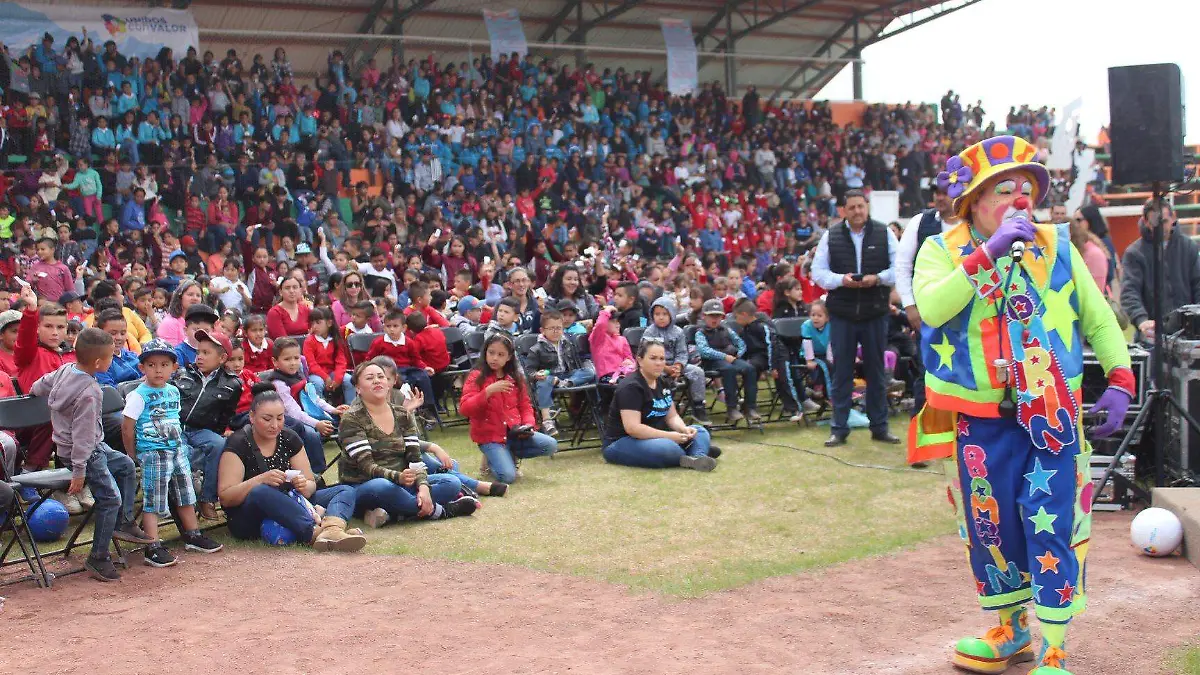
point(38, 351)
point(420, 297)
point(431, 345)
point(326, 354)
point(404, 350)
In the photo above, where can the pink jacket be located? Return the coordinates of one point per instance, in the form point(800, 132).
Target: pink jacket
point(608, 351)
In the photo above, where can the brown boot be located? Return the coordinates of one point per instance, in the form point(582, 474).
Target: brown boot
point(331, 535)
point(208, 511)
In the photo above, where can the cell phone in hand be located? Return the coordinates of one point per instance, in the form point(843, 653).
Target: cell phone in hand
point(856, 277)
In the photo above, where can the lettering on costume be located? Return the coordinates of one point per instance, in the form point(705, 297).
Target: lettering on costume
point(985, 511)
point(1011, 577)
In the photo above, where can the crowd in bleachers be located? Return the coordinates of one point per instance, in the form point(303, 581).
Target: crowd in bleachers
point(507, 240)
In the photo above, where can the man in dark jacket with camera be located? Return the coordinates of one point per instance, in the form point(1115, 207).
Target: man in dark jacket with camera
point(1181, 260)
point(854, 262)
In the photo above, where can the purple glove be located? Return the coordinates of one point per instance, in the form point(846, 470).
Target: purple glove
point(1014, 228)
point(1116, 403)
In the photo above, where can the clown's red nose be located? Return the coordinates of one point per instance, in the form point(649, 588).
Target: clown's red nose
point(1021, 204)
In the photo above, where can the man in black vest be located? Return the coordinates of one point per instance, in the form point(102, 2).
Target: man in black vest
point(854, 263)
point(922, 226)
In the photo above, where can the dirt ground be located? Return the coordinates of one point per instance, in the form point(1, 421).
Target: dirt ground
point(249, 610)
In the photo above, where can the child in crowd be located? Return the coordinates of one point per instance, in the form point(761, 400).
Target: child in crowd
point(398, 345)
point(361, 314)
point(39, 351)
point(721, 292)
point(818, 353)
point(495, 399)
point(789, 300)
point(197, 318)
point(289, 381)
point(554, 361)
point(508, 313)
point(470, 311)
point(431, 345)
point(231, 323)
point(76, 401)
point(629, 307)
point(151, 429)
point(208, 396)
point(48, 276)
point(143, 306)
point(662, 327)
point(10, 323)
point(420, 299)
point(259, 347)
point(721, 349)
point(610, 350)
point(570, 314)
point(124, 367)
point(328, 358)
point(73, 303)
point(236, 364)
point(766, 352)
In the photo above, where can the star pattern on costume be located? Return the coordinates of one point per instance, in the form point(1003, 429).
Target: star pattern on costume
point(1039, 478)
point(1049, 562)
point(1035, 251)
point(964, 427)
point(1037, 592)
point(980, 587)
point(966, 249)
point(1065, 593)
point(1042, 521)
point(1058, 315)
point(1026, 397)
point(1026, 577)
point(945, 351)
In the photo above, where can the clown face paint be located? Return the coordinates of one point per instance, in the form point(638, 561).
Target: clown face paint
point(996, 197)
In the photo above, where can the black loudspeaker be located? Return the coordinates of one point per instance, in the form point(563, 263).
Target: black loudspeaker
point(1146, 124)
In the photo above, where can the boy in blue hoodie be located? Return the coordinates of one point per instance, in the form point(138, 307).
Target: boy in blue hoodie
point(662, 327)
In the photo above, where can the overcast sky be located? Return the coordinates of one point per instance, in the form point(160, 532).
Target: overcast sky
point(1055, 51)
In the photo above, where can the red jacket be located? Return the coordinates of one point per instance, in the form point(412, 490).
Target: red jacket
point(257, 362)
point(431, 343)
point(325, 360)
point(432, 316)
point(34, 359)
point(492, 416)
point(407, 355)
point(249, 378)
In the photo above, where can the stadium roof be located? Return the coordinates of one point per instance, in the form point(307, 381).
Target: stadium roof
point(770, 38)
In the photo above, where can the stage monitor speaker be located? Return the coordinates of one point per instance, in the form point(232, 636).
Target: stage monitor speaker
point(1146, 123)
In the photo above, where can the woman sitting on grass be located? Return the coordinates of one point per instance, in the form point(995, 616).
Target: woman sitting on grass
point(645, 430)
point(382, 457)
point(495, 400)
point(253, 482)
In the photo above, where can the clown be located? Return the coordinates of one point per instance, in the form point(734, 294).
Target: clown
point(1002, 340)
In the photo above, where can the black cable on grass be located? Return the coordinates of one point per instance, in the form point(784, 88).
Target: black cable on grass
point(839, 460)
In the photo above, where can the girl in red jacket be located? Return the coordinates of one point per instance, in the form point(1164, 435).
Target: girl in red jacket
point(327, 356)
point(495, 400)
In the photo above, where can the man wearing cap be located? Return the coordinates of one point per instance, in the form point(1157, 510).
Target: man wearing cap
point(208, 398)
point(1006, 306)
point(854, 262)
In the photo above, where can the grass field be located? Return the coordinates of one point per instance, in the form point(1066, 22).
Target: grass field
point(1185, 661)
point(765, 511)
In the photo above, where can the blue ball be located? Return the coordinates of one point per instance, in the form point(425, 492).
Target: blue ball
point(48, 522)
point(275, 534)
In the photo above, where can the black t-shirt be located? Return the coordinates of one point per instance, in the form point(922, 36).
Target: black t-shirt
point(242, 444)
point(634, 393)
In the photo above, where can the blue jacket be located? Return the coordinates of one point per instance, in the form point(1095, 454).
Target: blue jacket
point(186, 354)
point(124, 368)
point(133, 216)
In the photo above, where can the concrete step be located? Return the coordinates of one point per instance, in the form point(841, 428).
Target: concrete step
point(1184, 503)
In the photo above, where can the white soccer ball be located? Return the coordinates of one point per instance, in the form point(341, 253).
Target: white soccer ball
point(1156, 532)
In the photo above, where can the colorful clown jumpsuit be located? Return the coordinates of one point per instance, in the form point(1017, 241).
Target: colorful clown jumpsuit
point(1020, 482)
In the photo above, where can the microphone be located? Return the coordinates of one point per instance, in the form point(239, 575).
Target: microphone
point(1017, 251)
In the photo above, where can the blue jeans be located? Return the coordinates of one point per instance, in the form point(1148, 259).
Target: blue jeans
point(206, 448)
point(419, 378)
point(501, 460)
point(432, 464)
point(545, 388)
point(729, 379)
point(314, 447)
point(348, 392)
point(400, 501)
point(113, 480)
point(264, 502)
point(844, 339)
point(655, 453)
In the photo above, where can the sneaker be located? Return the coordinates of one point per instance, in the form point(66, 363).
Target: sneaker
point(701, 463)
point(498, 489)
point(550, 429)
point(896, 387)
point(714, 451)
point(753, 416)
point(157, 555)
point(700, 415)
point(462, 506)
point(68, 500)
point(201, 543)
point(796, 417)
point(734, 416)
point(376, 518)
point(101, 569)
point(133, 534)
point(86, 500)
point(810, 406)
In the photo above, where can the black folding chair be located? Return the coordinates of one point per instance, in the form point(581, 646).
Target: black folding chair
point(634, 337)
point(455, 344)
point(474, 341)
point(360, 342)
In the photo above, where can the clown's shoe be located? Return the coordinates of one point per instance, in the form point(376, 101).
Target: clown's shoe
point(1054, 662)
point(1049, 670)
point(998, 649)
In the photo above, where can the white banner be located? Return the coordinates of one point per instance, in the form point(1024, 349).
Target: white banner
point(505, 31)
point(682, 75)
point(137, 31)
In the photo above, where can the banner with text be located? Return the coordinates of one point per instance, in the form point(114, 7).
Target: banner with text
point(682, 77)
point(136, 31)
point(505, 31)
